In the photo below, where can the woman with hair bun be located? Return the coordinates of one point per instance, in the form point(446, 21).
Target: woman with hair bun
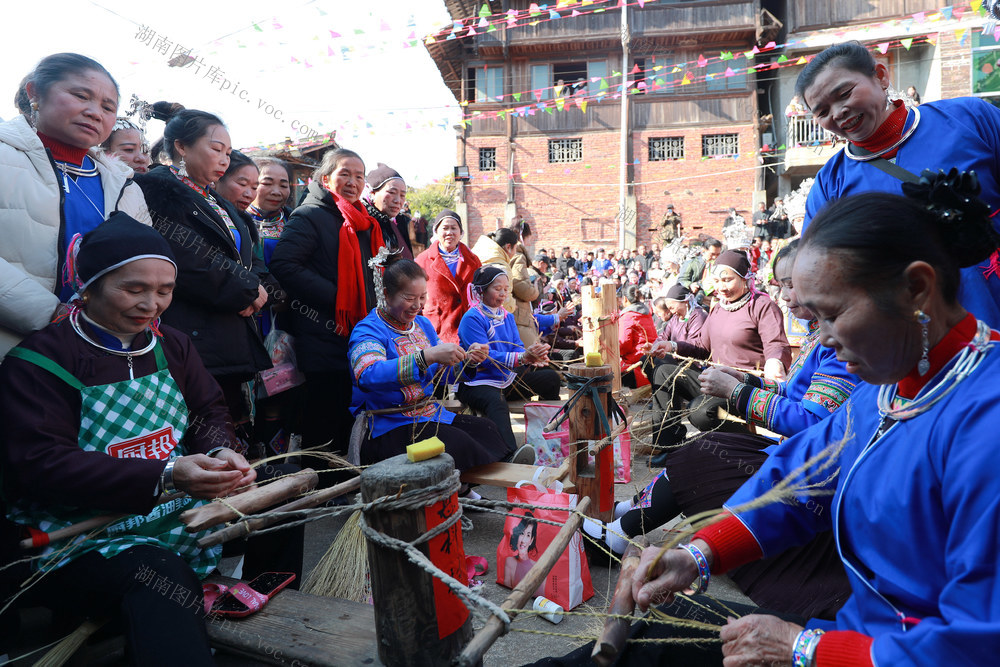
point(910, 489)
point(128, 143)
point(888, 144)
point(218, 282)
point(54, 185)
point(396, 357)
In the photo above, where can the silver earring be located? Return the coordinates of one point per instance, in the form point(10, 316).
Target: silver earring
point(33, 117)
point(924, 364)
point(182, 168)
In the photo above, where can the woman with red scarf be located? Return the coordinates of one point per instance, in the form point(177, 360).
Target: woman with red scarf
point(321, 261)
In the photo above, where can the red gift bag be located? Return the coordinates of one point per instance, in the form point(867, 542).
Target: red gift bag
point(525, 538)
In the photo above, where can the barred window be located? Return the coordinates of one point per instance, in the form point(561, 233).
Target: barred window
point(666, 148)
point(720, 144)
point(487, 159)
point(565, 150)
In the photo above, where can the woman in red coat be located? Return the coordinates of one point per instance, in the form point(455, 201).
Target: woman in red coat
point(635, 330)
point(449, 265)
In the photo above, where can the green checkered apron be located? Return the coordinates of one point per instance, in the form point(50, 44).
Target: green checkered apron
point(144, 417)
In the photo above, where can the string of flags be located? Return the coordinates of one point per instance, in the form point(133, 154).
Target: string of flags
point(654, 78)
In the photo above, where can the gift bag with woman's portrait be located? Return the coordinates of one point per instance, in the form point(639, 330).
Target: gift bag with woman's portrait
point(526, 536)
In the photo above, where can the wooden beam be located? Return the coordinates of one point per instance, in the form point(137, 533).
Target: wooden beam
point(250, 501)
point(509, 474)
point(612, 640)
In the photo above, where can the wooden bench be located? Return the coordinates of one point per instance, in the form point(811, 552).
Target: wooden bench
point(508, 474)
point(296, 628)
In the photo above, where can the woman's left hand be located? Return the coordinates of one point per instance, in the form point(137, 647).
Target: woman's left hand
point(758, 639)
point(478, 352)
point(237, 461)
point(774, 370)
point(717, 383)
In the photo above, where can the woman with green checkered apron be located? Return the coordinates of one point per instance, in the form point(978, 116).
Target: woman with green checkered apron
point(106, 413)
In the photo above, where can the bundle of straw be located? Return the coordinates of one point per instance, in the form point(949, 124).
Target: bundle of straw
point(342, 572)
point(68, 645)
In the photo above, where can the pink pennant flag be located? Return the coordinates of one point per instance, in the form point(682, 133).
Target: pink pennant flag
point(919, 17)
point(883, 47)
point(384, 26)
point(702, 61)
point(334, 35)
point(730, 72)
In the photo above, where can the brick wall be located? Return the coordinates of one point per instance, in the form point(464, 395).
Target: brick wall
point(956, 63)
point(576, 203)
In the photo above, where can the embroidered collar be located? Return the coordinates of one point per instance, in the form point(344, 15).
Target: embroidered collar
point(395, 324)
point(191, 184)
point(262, 217)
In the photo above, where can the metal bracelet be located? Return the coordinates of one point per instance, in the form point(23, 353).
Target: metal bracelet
point(700, 585)
point(167, 477)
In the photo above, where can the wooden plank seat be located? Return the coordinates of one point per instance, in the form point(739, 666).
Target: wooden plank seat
point(295, 626)
point(509, 474)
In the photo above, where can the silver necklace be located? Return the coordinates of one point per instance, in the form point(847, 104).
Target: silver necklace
point(74, 320)
point(78, 171)
point(872, 156)
point(736, 305)
point(968, 360)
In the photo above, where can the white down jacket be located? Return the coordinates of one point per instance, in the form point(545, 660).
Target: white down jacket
point(30, 223)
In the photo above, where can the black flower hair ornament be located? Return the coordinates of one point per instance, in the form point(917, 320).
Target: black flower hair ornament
point(964, 218)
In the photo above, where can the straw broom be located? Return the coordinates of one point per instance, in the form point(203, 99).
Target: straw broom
point(342, 572)
point(64, 650)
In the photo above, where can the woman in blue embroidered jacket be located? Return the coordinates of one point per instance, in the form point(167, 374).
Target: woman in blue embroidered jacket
point(912, 494)
point(702, 474)
point(511, 369)
point(397, 361)
point(849, 94)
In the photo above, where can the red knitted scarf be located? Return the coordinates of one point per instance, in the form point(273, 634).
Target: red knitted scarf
point(888, 133)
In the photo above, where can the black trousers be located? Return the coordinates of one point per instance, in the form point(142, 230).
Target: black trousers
point(151, 591)
point(677, 388)
point(491, 402)
point(708, 610)
point(471, 441)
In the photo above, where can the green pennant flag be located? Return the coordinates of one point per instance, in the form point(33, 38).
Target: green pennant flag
point(781, 147)
point(907, 43)
point(517, 97)
point(492, 28)
point(257, 28)
point(484, 10)
point(604, 84)
point(726, 55)
point(616, 73)
point(782, 58)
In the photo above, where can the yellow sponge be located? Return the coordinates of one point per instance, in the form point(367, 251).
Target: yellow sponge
point(425, 449)
point(594, 359)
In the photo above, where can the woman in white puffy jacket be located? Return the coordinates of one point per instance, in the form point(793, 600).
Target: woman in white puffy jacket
point(55, 184)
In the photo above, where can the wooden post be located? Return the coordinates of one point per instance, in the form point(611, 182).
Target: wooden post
point(418, 620)
point(596, 481)
point(600, 326)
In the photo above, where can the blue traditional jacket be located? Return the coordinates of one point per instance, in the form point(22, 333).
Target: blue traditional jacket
point(499, 331)
point(915, 514)
point(817, 384)
point(386, 375)
point(963, 133)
